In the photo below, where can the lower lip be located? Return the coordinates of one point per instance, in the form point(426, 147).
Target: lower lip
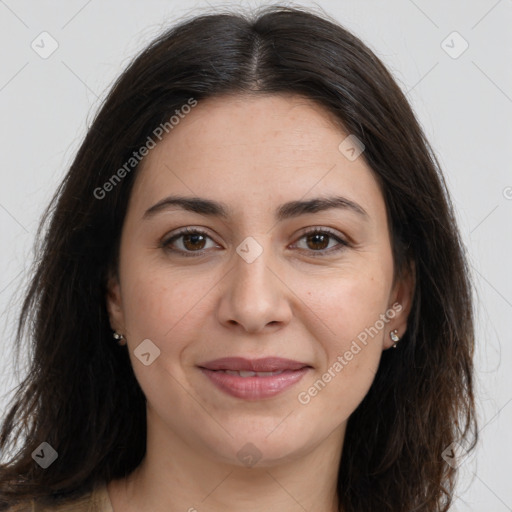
point(255, 388)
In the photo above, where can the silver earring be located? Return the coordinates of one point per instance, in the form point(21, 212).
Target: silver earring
point(119, 337)
point(394, 337)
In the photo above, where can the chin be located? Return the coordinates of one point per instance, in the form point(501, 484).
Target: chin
point(264, 448)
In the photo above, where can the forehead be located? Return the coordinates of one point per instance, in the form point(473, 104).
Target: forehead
point(252, 151)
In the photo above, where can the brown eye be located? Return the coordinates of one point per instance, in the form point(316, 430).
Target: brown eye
point(187, 242)
point(319, 240)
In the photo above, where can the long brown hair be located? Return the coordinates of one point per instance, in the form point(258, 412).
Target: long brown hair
point(80, 394)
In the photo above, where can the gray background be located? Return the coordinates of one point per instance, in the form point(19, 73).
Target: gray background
point(463, 100)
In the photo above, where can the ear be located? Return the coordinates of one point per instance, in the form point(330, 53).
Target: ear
point(114, 304)
point(401, 299)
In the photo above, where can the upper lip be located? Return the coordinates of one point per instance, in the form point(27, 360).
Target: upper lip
point(266, 364)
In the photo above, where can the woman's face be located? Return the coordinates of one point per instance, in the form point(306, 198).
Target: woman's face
point(253, 284)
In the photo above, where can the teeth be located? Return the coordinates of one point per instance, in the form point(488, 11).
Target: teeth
point(244, 373)
point(231, 372)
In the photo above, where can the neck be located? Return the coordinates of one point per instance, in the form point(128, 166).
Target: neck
point(175, 477)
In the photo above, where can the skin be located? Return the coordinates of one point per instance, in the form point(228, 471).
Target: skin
point(252, 153)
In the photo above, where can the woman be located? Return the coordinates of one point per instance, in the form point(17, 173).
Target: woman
point(252, 291)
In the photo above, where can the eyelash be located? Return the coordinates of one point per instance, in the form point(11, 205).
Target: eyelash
point(196, 231)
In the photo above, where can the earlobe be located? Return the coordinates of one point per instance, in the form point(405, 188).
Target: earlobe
point(403, 295)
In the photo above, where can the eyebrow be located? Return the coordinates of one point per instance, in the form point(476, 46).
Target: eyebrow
point(285, 211)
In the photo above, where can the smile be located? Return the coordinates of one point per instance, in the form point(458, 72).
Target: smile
point(254, 379)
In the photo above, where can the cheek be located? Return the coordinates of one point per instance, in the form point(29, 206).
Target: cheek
point(168, 306)
point(161, 307)
point(350, 303)
point(352, 307)
point(158, 305)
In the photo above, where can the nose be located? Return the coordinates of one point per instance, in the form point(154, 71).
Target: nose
point(255, 297)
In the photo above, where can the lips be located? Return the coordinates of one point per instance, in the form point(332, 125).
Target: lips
point(267, 364)
point(254, 379)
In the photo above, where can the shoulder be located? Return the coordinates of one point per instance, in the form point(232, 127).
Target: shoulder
point(95, 500)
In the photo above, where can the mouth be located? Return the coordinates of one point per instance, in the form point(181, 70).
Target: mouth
point(263, 365)
point(254, 379)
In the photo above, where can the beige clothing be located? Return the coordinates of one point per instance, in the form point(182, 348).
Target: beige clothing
point(96, 501)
